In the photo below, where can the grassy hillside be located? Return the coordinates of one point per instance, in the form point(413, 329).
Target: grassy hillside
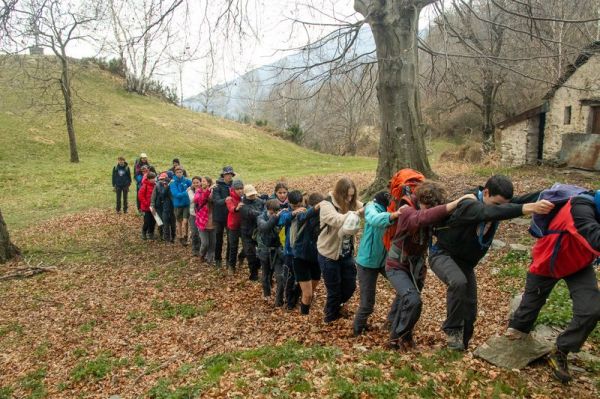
point(38, 181)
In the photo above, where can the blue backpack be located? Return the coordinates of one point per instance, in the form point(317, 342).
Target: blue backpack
point(559, 194)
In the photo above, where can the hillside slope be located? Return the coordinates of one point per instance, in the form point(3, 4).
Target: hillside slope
point(38, 182)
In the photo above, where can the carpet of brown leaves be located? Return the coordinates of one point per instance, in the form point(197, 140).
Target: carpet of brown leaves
point(103, 299)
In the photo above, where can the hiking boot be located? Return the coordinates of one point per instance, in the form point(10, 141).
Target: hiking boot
point(392, 345)
point(407, 345)
point(151, 236)
point(514, 334)
point(253, 277)
point(304, 309)
point(557, 361)
point(454, 339)
point(183, 241)
point(218, 263)
point(144, 236)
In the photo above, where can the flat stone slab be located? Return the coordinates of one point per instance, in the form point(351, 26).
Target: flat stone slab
point(519, 248)
point(520, 221)
point(513, 353)
point(497, 244)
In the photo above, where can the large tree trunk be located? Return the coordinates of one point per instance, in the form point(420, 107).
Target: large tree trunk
point(394, 24)
point(487, 113)
point(7, 249)
point(65, 85)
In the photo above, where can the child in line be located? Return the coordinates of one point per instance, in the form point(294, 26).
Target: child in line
point(204, 223)
point(286, 281)
point(253, 207)
point(162, 204)
point(181, 203)
point(194, 232)
point(145, 197)
point(269, 244)
point(303, 239)
point(121, 180)
point(234, 204)
point(339, 217)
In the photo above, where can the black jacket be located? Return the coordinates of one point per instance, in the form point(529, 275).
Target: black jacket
point(587, 220)
point(249, 212)
point(121, 176)
point(458, 235)
point(220, 192)
point(305, 246)
point(268, 231)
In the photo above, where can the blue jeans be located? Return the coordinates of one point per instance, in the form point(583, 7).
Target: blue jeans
point(339, 277)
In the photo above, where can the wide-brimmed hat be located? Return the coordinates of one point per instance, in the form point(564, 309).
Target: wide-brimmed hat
point(227, 170)
point(249, 190)
point(143, 155)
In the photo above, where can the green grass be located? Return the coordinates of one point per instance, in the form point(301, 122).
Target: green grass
point(94, 369)
point(39, 181)
point(169, 310)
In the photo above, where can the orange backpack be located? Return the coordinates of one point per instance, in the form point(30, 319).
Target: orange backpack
point(401, 186)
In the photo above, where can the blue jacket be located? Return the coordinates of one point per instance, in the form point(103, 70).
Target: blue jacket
point(179, 195)
point(371, 252)
point(305, 246)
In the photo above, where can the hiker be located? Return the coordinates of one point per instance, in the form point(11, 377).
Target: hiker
point(370, 260)
point(339, 223)
point(281, 194)
point(145, 197)
point(181, 203)
point(567, 251)
point(194, 232)
point(288, 290)
point(405, 264)
point(156, 201)
point(304, 247)
point(139, 166)
point(269, 245)
point(234, 220)
point(463, 239)
point(253, 207)
point(176, 163)
point(121, 180)
point(219, 193)
point(204, 216)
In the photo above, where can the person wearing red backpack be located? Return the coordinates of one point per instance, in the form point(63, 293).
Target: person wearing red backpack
point(405, 264)
point(567, 252)
point(464, 239)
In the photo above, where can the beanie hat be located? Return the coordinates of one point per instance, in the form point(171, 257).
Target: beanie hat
point(237, 184)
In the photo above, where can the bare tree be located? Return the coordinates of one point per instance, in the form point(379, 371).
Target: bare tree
point(8, 250)
point(55, 25)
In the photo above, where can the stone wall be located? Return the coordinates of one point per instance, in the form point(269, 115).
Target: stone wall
point(588, 77)
point(519, 142)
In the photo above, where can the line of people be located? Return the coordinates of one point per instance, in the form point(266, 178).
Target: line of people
point(299, 239)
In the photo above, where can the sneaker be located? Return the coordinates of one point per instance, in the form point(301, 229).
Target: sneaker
point(557, 361)
point(454, 339)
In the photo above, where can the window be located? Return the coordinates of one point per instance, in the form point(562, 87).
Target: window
point(567, 120)
point(595, 120)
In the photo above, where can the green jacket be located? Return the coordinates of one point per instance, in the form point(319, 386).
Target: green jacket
point(371, 252)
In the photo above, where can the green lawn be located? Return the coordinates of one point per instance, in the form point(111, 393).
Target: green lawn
point(38, 181)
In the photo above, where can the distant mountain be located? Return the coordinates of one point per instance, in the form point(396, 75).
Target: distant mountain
point(235, 98)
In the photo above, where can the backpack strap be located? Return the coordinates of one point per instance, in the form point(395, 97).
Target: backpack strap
point(481, 227)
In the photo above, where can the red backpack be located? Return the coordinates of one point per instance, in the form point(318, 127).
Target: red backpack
point(401, 186)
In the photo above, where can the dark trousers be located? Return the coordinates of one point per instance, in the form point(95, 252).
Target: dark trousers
point(233, 243)
point(270, 261)
point(169, 225)
point(219, 231)
point(149, 223)
point(288, 290)
point(461, 297)
point(583, 288)
point(406, 308)
point(249, 246)
point(137, 198)
point(367, 284)
point(122, 193)
point(339, 277)
point(195, 235)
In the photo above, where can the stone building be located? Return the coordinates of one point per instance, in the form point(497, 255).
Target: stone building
point(565, 127)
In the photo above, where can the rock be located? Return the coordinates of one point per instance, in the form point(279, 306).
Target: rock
point(519, 248)
point(512, 353)
point(497, 244)
point(521, 221)
point(514, 304)
point(546, 333)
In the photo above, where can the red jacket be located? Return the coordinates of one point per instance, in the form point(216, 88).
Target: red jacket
point(570, 249)
point(145, 195)
point(234, 218)
point(203, 207)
